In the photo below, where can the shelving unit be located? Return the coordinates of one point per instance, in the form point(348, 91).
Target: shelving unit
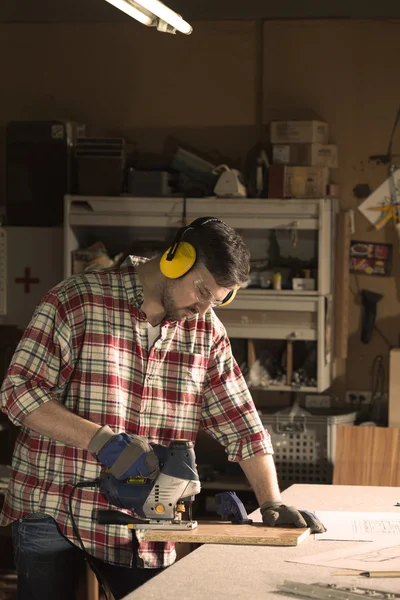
point(256, 314)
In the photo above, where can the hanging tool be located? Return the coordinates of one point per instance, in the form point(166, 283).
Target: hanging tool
point(158, 503)
point(369, 309)
point(391, 209)
point(390, 212)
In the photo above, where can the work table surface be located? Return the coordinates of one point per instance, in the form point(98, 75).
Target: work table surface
point(224, 572)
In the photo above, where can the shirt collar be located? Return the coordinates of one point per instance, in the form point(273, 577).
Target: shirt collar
point(130, 278)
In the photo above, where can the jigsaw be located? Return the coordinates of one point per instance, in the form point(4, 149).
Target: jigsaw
point(158, 503)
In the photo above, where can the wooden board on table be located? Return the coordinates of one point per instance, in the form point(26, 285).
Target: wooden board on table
point(228, 533)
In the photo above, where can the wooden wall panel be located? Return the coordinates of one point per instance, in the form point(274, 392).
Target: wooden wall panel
point(124, 78)
point(394, 388)
point(343, 72)
point(367, 456)
point(119, 76)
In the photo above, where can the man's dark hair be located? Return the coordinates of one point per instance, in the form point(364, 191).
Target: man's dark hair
point(222, 251)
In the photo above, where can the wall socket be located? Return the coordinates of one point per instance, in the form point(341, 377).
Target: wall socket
point(358, 397)
point(317, 401)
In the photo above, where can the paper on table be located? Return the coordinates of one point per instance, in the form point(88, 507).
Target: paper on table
point(376, 556)
point(363, 526)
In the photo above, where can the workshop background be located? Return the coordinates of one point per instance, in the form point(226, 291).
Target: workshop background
point(215, 92)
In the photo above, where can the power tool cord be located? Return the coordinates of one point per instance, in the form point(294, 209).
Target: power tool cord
point(85, 484)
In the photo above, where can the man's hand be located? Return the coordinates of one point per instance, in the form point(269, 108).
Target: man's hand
point(124, 455)
point(276, 514)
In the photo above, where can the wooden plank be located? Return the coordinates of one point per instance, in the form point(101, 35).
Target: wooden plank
point(394, 388)
point(251, 353)
point(289, 362)
point(342, 283)
point(228, 533)
point(367, 456)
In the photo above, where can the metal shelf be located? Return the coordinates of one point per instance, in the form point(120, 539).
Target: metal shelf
point(122, 211)
point(246, 293)
point(259, 299)
point(256, 313)
point(240, 213)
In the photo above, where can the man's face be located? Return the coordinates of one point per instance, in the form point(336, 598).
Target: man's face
point(195, 293)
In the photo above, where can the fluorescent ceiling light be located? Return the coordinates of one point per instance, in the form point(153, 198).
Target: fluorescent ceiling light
point(153, 12)
point(133, 12)
point(166, 14)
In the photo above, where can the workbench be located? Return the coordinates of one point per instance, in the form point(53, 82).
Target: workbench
point(225, 572)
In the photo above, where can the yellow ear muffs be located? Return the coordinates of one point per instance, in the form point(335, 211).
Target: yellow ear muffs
point(228, 298)
point(175, 263)
point(181, 256)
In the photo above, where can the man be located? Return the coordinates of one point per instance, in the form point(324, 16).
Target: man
point(112, 361)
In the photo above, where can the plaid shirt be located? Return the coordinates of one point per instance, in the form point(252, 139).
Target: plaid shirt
point(86, 346)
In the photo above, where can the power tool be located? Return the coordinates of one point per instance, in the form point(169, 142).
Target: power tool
point(157, 503)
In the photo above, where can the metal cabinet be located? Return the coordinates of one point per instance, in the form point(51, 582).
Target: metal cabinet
point(256, 314)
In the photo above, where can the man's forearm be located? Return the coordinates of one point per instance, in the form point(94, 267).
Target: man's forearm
point(58, 423)
point(261, 474)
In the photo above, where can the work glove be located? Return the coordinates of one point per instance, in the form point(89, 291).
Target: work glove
point(276, 514)
point(124, 455)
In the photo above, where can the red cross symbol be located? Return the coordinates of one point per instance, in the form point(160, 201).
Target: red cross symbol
point(27, 280)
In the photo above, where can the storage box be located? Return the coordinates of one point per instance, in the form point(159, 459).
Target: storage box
point(100, 166)
point(305, 445)
point(297, 182)
point(319, 155)
point(149, 183)
point(298, 132)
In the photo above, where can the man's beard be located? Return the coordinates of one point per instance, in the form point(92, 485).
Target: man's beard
point(172, 312)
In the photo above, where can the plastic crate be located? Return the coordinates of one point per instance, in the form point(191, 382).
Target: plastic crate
point(304, 445)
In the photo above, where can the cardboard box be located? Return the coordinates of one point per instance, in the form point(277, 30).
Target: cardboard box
point(318, 155)
point(297, 182)
point(298, 132)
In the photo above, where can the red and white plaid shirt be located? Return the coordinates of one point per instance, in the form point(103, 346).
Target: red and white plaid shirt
point(87, 347)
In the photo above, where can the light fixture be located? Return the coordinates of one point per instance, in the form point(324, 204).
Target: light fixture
point(153, 13)
point(133, 12)
point(166, 14)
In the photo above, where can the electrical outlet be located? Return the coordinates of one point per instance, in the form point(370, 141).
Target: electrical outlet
point(358, 397)
point(317, 401)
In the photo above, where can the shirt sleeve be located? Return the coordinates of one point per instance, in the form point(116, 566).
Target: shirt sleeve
point(228, 411)
point(41, 365)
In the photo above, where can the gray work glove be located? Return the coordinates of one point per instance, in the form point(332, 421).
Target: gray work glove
point(124, 455)
point(276, 514)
